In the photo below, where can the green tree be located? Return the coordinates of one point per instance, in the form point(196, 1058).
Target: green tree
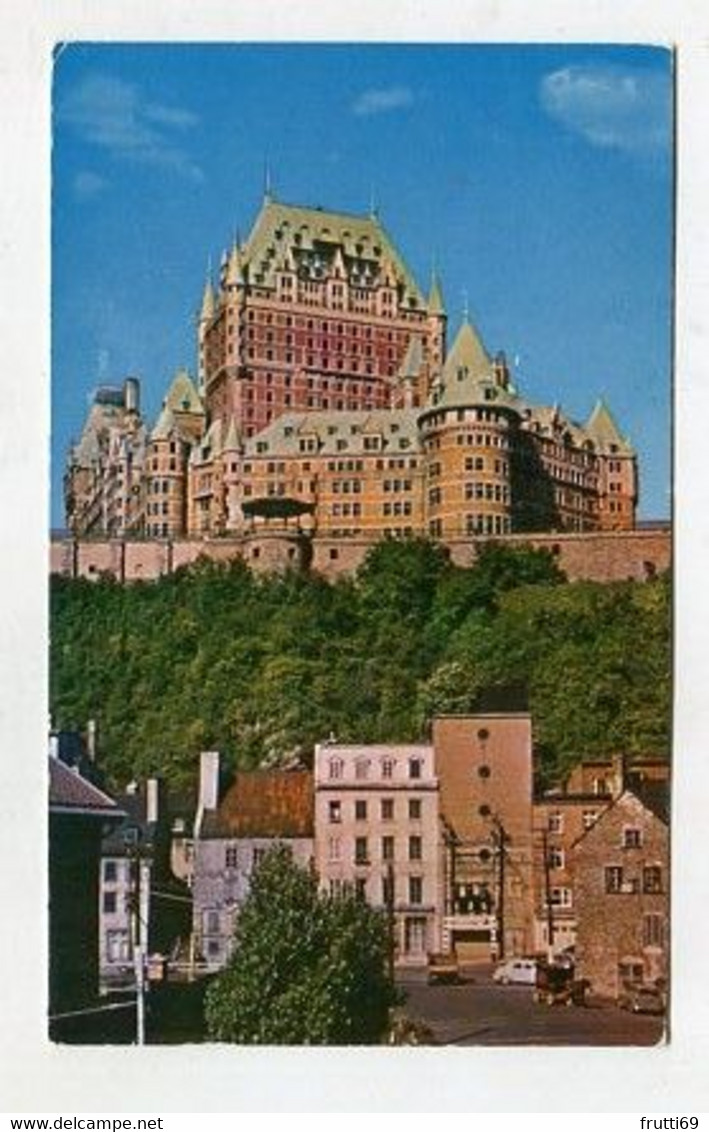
point(306, 969)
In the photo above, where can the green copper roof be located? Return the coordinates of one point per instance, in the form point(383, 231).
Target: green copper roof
point(435, 296)
point(233, 440)
point(283, 230)
point(208, 301)
point(164, 425)
point(412, 363)
point(604, 431)
point(182, 396)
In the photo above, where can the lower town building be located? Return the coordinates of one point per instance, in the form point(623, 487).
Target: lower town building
point(79, 814)
point(621, 882)
point(377, 832)
point(259, 810)
point(484, 767)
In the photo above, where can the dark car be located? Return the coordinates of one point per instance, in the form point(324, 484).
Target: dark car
point(643, 1000)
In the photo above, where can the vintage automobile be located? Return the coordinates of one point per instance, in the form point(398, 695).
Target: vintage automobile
point(443, 967)
point(516, 971)
point(642, 1000)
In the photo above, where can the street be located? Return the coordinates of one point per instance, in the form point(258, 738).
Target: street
point(479, 1012)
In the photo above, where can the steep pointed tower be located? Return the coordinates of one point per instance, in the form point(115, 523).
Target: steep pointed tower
point(204, 321)
point(437, 323)
point(617, 471)
point(467, 431)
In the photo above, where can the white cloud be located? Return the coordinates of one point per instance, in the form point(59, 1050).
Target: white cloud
point(383, 100)
point(113, 115)
point(613, 107)
point(88, 184)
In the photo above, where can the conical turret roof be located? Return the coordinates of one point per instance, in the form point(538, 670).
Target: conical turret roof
point(604, 431)
point(208, 302)
point(235, 268)
point(412, 363)
point(468, 376)
point(435, 296)
point(232, 441)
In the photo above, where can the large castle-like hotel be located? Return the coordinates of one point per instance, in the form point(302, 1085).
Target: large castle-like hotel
point(327, 396)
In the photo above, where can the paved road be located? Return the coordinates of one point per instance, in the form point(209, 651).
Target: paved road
point(478, 1012)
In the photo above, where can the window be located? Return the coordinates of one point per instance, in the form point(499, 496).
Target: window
point(211, 922)
point(415, 890)
point(335, 768)
point(484, 771)
point(653, 930)
point(362, 768)
point(414, 768)
point(361, 888)
point(556, 857)
point(555, 823)
point(387, 848)
point(415, 847)
point(387, 809)
point(231, 857)
point(652, 878)
point(109, 902)
point(335, 811)
point(361, 851)
point(110, 870)
point(360, 810)
point(334, 849)
point(414, 809)
point(614, 878)
point(561, 898)
point(589, 818)
point(258, 856)
point(117, 946)
point(632, 837)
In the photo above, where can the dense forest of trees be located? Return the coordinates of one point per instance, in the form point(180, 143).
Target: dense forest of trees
point(261, 668)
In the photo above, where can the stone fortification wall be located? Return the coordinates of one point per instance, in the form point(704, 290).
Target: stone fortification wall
point(601, 556)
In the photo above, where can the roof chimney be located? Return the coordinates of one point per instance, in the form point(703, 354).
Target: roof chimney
point(152, 807)
point(91, 740)
point(209, 780)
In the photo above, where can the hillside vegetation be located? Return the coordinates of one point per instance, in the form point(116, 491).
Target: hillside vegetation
point(261, 668)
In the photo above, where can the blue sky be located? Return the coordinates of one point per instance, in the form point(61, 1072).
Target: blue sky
point(537, 179)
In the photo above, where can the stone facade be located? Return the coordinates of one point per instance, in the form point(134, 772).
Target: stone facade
point(621, 879)
point(325, 383)
point(377, 831)
point(603, 557)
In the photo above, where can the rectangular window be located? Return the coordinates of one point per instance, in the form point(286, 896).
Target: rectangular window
point(632, 837)
point(335, 811)
point(556, 857)
point(561, 897)
point(231, 857)
point(211, 923)
point(110, 870)
point(589, 818)
point(117, 946)
point(387, 848)
point(415, 890)
point(334, 849)
point(387, 809)
point(360, 810)
point(361, 888)
point(414, 809)
point(109, 902)
point(259, 855)
point(388, 890)
point(361, 852)
point(555, 823)
point(387, 768)
point(415, 848)
point(414, 768)
point(652, 878)
point(614, 878)
point(653, 930)
point(361, 768)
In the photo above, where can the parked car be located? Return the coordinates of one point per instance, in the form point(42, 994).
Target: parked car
point(443, 967)
point(642, 1000)
point(516, 971)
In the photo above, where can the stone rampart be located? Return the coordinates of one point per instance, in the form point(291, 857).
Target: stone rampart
point(601, 556)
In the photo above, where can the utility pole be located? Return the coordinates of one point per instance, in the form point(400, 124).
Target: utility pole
point(501, 838)
point(547, 896)
point(390, 917)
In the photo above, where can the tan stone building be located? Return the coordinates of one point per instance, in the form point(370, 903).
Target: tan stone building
point(324, 380)
point(621, 879)
point(484, 766)
point(377, 831)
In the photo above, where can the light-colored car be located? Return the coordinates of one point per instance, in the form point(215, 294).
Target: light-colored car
point(516, 971)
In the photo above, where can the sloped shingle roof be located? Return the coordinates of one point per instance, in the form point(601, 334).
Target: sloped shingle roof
point(265, 803)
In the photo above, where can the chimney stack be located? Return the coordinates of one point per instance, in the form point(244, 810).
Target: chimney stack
point(91, 740)
point(152, 801)
point(209, 780)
